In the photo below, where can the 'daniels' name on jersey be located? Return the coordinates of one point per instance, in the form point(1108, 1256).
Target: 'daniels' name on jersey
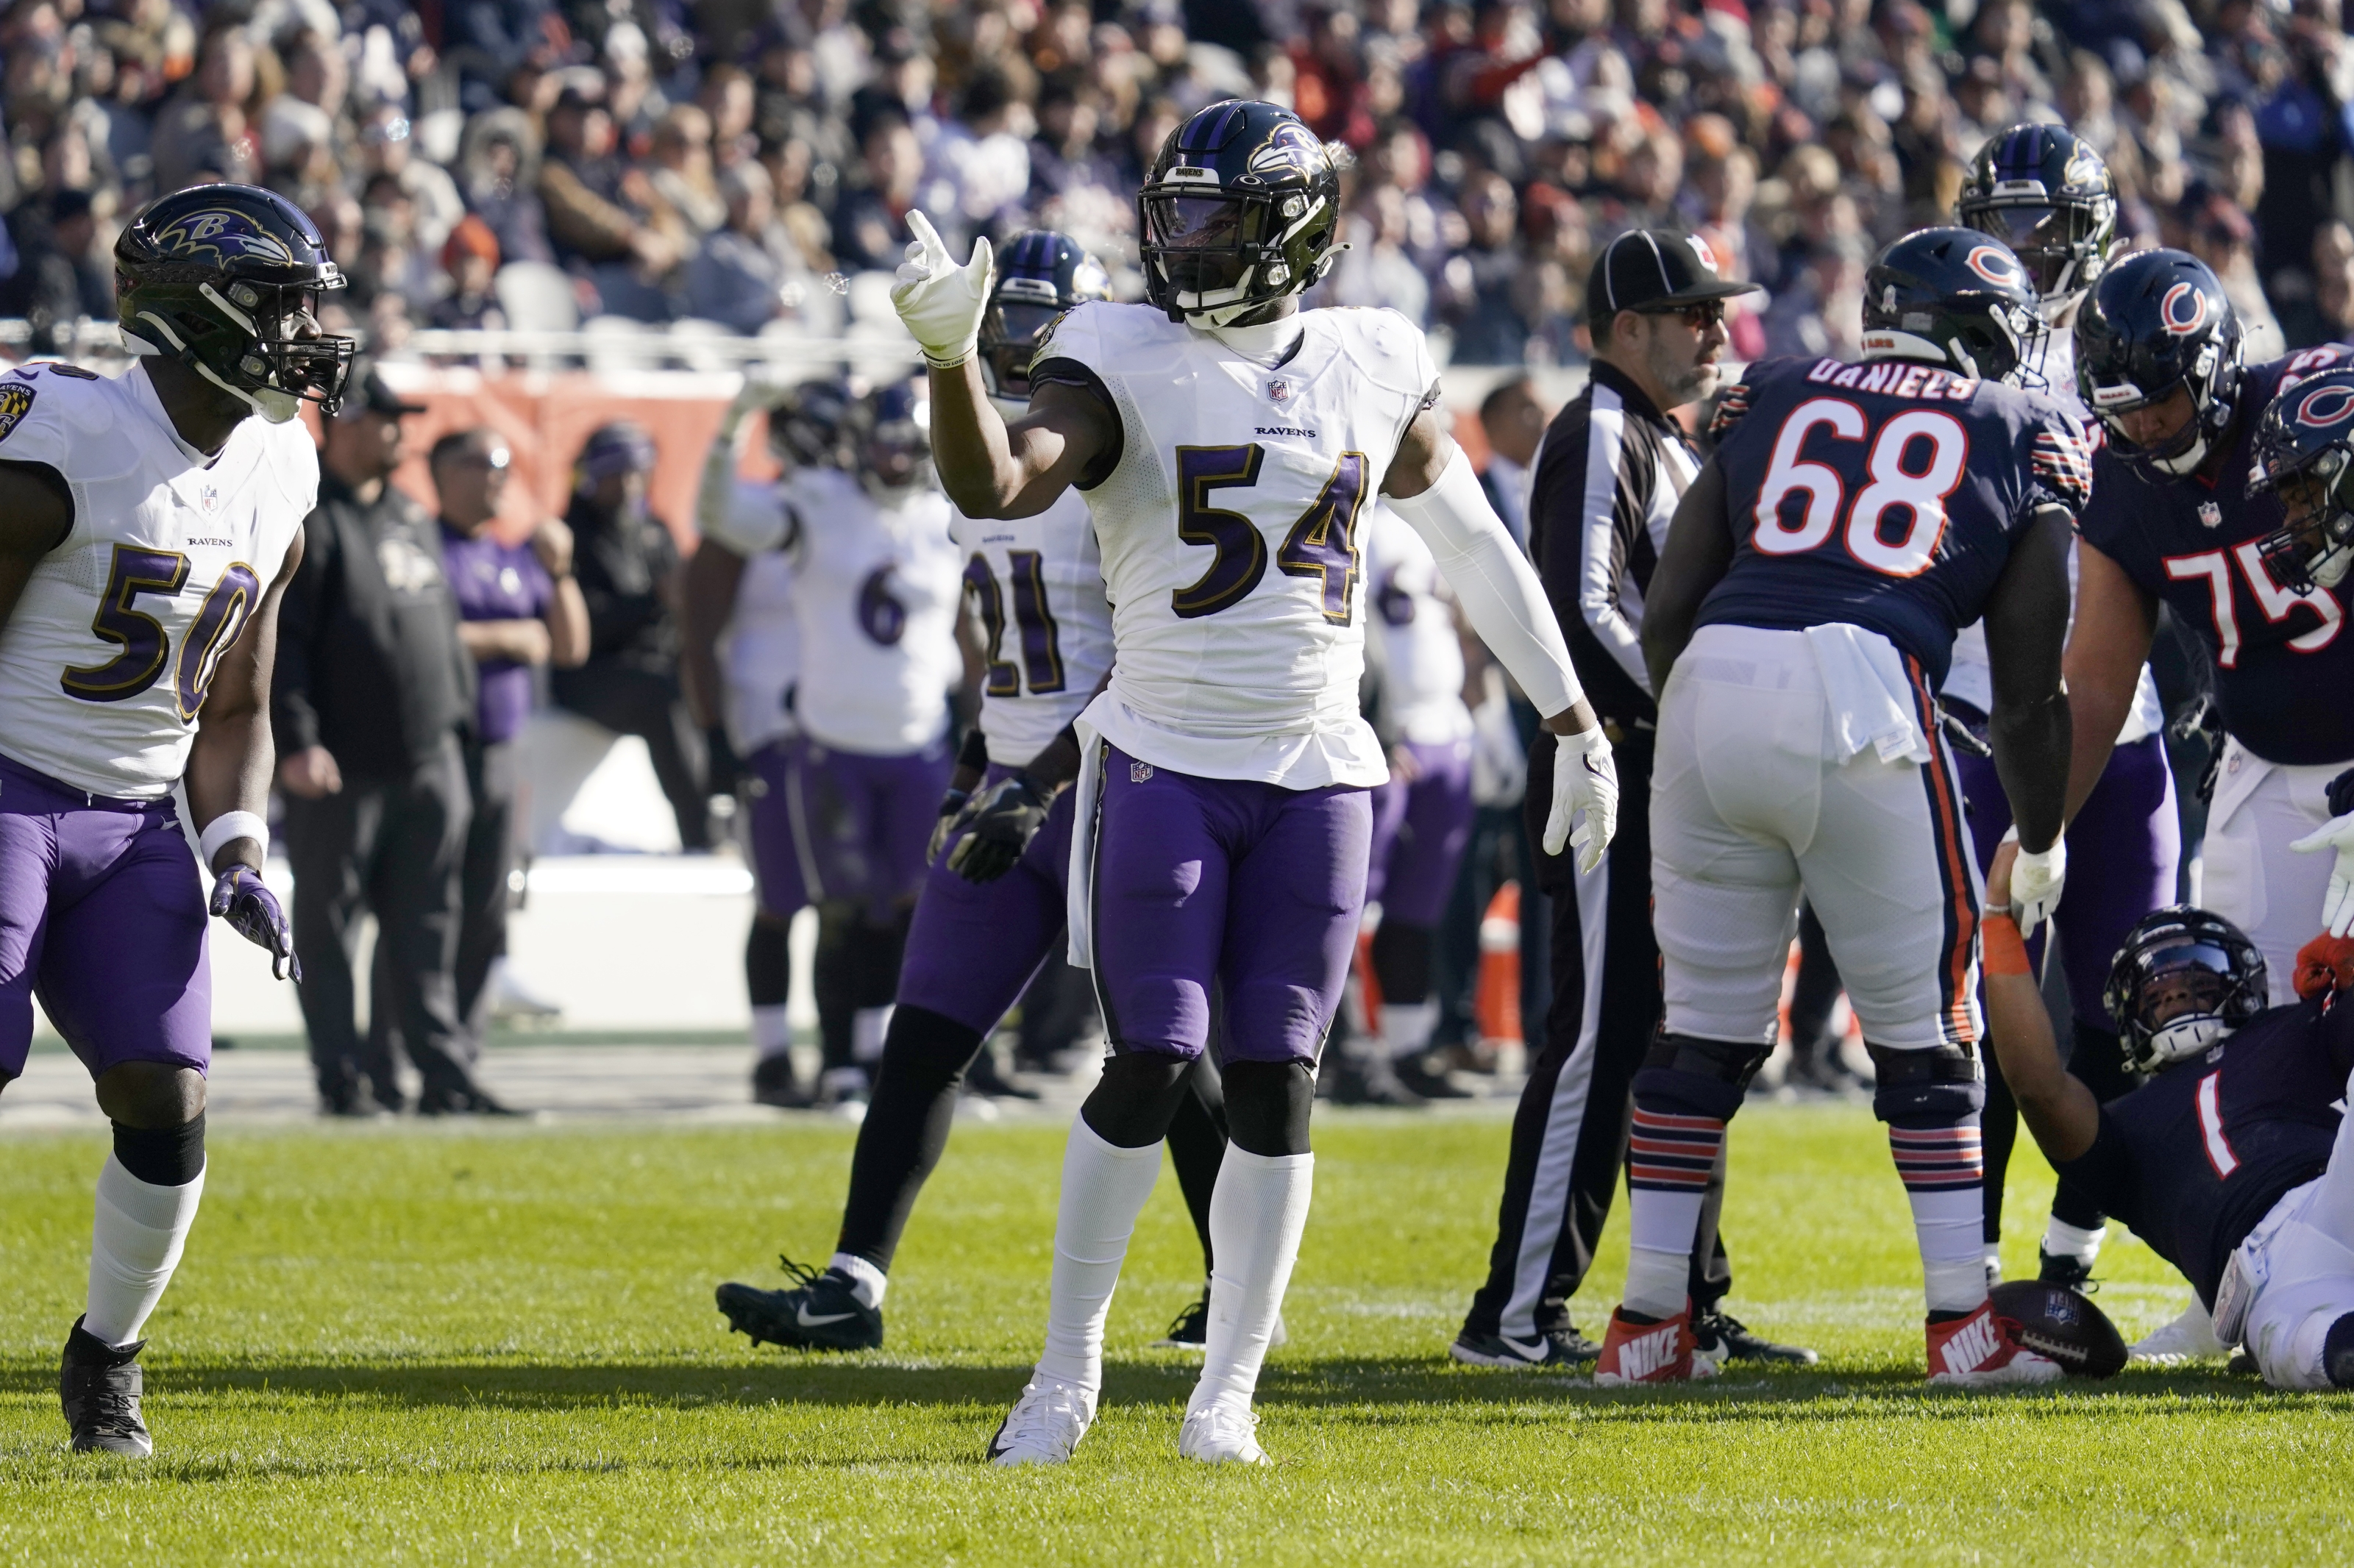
point(1895, 378)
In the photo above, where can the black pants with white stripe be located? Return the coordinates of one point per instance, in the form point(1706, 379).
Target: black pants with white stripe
point(1569, 1136)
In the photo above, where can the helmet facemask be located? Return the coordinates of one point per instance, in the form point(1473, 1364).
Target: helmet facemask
point(2179, 1004)
point(248, 337)
point(1216, 257)
point(2063, 246)
point(2314, 547)
point(1010, 333)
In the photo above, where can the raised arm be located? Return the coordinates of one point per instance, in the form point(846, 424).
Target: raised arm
point(992, 469)
point(2063, 1115)
point(2026, 624)
point(2115, 620)
point(713, 574)
point(1698, 554)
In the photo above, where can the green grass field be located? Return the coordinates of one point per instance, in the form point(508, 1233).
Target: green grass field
point(467, 1346)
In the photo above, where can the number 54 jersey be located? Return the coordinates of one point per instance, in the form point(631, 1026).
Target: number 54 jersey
point(1228, 530)
point(106, 661)
point(1885, 495)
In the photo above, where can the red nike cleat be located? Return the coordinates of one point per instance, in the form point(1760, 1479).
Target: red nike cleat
point(1982, 1350)
point(1658, 1352)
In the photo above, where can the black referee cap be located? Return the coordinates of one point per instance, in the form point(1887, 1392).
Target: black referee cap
point(1655, 269)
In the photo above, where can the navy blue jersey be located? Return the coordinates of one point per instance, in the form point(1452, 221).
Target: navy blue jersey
point(2196, 1157)
point(2283, 671)
point(1886, 495)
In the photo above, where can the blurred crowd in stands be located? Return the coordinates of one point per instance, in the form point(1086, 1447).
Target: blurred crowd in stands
point(732, 160)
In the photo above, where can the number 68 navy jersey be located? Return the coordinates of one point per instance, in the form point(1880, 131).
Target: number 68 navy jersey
point(1886, 495)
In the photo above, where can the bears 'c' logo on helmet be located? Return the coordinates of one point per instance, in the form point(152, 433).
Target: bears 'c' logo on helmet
point(218, 235)
point(2184, 309)
point(2326, 405)
point(1996, 265)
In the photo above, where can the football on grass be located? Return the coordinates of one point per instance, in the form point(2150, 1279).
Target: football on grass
point(2063, 1324)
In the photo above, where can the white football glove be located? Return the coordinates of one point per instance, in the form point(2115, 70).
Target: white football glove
point(2338, 904)
point(1584, 780)
point(940, 302)
point(2036, 881)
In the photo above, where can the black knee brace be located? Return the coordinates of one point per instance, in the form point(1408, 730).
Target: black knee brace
point(1268, 1105)
point(1941, 1084)
point(1130, 1105)
point(162, 1156)
point(1697, 1076)
point(2337, 1352)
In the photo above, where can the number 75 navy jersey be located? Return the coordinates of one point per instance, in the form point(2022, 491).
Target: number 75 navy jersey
point(1886, 495)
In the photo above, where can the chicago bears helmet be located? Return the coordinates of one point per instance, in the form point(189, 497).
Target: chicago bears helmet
point(1239, 208)
point(2044, 192)
point(893, 435)
point(2183, 955)
point(1040, 274)
point(1954, 297)
point(2304, 454)
point(227, 279)
point(2158, 320)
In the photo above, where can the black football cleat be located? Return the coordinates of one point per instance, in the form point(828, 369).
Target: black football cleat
point(821, 1312)
point(774, 1083)
point(1555, 1350)
point(2061, 1270)
point(985, 1079)
point(1191, 1330)
point(1730, 1340)
point(1370, 1082)
point(100, 1385)
point(1416, 1075)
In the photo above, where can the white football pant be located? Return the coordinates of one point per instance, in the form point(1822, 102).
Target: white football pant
point(2303, 1251)
point(2249, 875)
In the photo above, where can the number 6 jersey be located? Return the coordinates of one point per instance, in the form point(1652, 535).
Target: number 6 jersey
point(1885, 495)
point(1228, 533)
point(105, 662)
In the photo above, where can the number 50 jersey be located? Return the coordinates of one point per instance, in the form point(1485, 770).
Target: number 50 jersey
point(106, 660)
point(1885, 495)
point(1228, 533)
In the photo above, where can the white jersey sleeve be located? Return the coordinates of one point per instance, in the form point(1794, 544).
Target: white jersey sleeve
point(1229, 532)
point(754, 518)
point(1035, 589)
point(106, 660)
point(1412, 637)
point(760, 651)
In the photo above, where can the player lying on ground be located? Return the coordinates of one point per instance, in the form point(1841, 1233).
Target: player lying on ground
point(1852, 519)
point(148, 526)
point(993, 909)
point(1227, 444)
point(2234, 1162)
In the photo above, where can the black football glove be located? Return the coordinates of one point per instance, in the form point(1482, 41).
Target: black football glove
point(951, 811)
point(999, 825)
point(252, 912)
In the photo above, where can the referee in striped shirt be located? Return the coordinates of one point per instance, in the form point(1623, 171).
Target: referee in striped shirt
point(1611, 471)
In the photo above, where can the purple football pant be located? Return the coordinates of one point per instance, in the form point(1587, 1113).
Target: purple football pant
point(862, 823)
point(769, 832)
point(1419, 832)
point(1228, 882)
point(102, 917)
point(974, 947)
point(2122, 852)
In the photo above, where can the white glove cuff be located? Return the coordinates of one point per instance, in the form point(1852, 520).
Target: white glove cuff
point(229, 827)
point(1585, 743)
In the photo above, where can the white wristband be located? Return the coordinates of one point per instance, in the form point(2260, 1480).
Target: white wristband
point(227, 828)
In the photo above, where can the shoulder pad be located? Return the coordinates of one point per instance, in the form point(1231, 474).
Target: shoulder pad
point(1391, 350)
point(1103, 337)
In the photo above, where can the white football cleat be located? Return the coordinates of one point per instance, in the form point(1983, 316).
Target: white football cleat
point(1044, 1425)
point(2189, 1338)
point(1223, 1432)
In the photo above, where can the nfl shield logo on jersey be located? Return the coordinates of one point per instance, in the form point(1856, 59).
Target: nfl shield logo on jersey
point(2210, 514)
point(208, 497)
point(1139, 772)
point(1278, 391)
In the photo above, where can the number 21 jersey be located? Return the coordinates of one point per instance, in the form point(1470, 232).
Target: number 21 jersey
point(1885, 495)
point(105, 664)
point(1228, 528)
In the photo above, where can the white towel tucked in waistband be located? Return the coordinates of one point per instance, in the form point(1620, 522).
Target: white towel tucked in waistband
point(1869, 696)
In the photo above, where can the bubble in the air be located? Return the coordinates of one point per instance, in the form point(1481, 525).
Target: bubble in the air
point(838, 282)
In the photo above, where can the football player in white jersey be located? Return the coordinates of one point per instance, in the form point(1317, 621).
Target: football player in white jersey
point(1422, 817)
point(1227, 444)
point(876, 596)
point(148, 526)
point(992, 911)
point(738, 588)
point(2046, 193)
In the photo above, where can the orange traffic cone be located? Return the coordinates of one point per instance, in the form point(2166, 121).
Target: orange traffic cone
point(1369, 987)
point(1497, 1003)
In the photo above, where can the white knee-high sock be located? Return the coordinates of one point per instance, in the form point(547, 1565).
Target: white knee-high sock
point(135, 1242)
point(868, 1025)
point(1257, 1213)
point(1944, 1173)
point(771, 1034)
point(1407, 1026)
point(1104, 1189)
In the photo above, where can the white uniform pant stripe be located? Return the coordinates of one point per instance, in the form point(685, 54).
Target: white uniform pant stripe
point(1549, 1189)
